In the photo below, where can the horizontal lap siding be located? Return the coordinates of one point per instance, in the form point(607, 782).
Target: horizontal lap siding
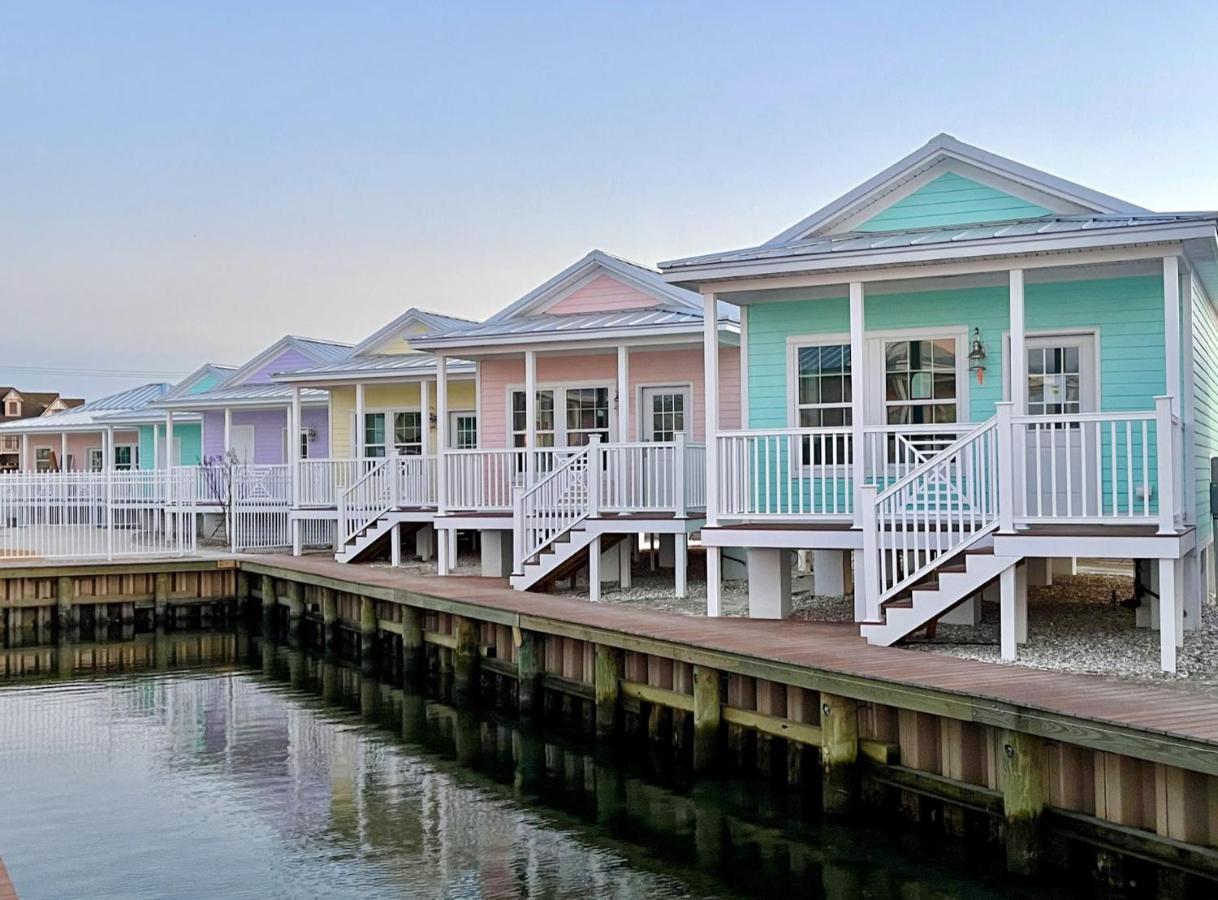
point(79, 444)
point(603, 294)
point(1205, 428)
point(188, 434)
point(269, 425)
point(381, 397)
point(952, 199)
point(288, 361)
point(769, 327)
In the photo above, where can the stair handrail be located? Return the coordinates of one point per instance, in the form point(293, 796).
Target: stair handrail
point(554, 504)
point(951, 500)
point(366, 500)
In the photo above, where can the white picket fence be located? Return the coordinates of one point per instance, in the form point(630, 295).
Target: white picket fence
point(94, 515)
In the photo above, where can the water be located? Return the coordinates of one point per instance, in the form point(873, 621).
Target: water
point(189, 767)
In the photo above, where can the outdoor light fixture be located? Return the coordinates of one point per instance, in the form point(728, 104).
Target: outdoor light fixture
point(976, 355)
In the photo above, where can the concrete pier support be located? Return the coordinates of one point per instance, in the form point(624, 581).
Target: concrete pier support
point(529, 668)
point(496, 551)
point(425, 542)
point(1013, 624)
point(1040, 571)
point(839, 752)
point(769, 583)
point(829, 573)
point(681, 565)
point(1023, 800)
point(708, 713)
point(466, 657)
point(414, 653)
point(608, 678)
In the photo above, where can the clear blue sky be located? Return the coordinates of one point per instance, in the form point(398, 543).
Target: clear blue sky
point(185, 183)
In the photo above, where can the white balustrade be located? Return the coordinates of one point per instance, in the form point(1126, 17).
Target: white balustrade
point(786, 472)
point(369, 498)
point(890, 452)
point(322, 480)
point(559, 501)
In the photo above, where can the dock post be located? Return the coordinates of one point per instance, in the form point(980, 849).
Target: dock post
point(242, 592)
point(269, 600)
point(65, 589)
point(708, 712)
point(329, 620)
point(367, 633)
point(528, 671)
point(1022, 800)
point(160, 602)
point(465, 661)
point(295, 611)
point(607, 685)
point(839, 751)
point(414, 653)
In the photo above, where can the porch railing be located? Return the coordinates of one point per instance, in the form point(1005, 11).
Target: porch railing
point(365, 501)
point(652, 477)
point(322, 480)
point(559, 501)
point(786, 472)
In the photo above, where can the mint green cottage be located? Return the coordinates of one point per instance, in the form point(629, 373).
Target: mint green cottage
point(152, 451)
point(959, 377)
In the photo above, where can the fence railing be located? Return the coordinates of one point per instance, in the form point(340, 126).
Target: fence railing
point(652, 477)
point(484, 479)
point(367, 500)
point(83, 515)
point(553, 506)
point(322, 480)
point(786, 472)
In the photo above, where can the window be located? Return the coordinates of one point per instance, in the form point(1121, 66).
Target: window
point(304, 443)
point(95, 459)
point(464, 429)
point(545, 419)
point(12, 407)
point(124, 457)
point(1054, 376)
point(11, 443)
point(667, 415)
point(920, 382)
point(823, 394)
point(587, 415)
point(42, 459)
point(408, 433)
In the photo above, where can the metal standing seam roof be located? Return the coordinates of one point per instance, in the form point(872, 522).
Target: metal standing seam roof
point(409, 363)
point(880, 240)
point(554, 326)
point(95, 411)
point(328, 349)
point(242, 393)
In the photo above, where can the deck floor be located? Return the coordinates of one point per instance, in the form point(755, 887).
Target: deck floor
point(831, 647)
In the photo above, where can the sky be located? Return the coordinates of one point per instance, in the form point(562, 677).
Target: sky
point(186, 183)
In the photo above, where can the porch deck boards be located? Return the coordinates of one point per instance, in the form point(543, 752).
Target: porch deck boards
point(829, 647)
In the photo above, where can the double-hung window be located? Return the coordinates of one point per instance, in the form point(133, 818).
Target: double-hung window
point(374, 435)
point(920, 382)
point(545, 419)
point(406, 437)
point(587, 415)
point(823, 400)
point(464, 430)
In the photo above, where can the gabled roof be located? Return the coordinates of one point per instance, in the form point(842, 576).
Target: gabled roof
point(423, 319)
point(208, 372)
point(92, 414)
point(644, 279)
point(316, 350)
point(377, 365)
point(941, 148)
point(35, 403)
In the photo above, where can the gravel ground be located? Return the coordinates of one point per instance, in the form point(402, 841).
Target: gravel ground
point(1073, 626)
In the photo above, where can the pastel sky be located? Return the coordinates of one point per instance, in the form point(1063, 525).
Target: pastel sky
point(182, 183)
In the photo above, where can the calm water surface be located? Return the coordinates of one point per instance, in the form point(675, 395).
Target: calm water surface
point(190, 769)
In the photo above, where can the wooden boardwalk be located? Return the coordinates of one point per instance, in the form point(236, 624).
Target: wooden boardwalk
point(1107, 705)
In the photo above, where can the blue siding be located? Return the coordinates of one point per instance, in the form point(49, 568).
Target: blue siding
point(952, 199)
point(1205, 412)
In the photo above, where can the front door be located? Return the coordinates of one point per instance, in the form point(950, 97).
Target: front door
point(1060, 456)
point(664, 413)
point(242, 437)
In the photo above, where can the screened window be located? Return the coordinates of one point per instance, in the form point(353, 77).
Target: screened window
point(1054, 376)
point(465, 431)
point(545, 419)
point(408, 433)
point(920, 382)
point(587, 415)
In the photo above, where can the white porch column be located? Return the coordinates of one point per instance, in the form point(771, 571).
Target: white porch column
point(1170, 632)
point(228, 430)
point(530, 414)
point(294, 428)
point(857, 390)
point(623, 395)
point(63, 451)
point(710, 389)
point(594, 569)
point(156, 446)
point(1013, 614)
point(425, 416)
point(1171, 328)
point(108, 449)
point(168, 440)
point(359, 421)
point(25, 465)
point(1018, 368)
point(441, 433)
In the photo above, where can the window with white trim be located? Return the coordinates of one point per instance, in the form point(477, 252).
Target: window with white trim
point(407, 434)
point(11, 443)
point(374, 434)
point(545, 419)
point(96, 459)
point(12, 407)
point(823, 397)
point(42, 459)
point(125, 457)
point(464, 430)
point(587, 415)
point(920, 382)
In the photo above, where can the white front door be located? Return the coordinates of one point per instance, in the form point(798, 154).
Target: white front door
point(665, 413)
point(242, 437)
point(1061, 382)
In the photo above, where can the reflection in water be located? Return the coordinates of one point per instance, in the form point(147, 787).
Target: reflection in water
point(238, 768)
